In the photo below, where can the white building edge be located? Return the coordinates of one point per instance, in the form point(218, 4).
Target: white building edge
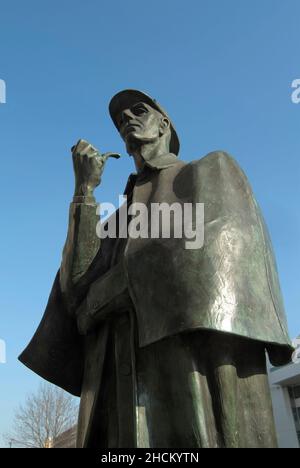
point(285, 392)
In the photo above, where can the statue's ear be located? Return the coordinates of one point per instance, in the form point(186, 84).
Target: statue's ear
point(164, 125)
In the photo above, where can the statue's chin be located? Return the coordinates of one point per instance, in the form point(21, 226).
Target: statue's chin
point(135, 139)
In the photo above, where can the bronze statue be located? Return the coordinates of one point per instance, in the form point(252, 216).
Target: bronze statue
point(165, 345)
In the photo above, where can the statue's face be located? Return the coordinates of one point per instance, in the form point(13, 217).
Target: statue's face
point(141, 122)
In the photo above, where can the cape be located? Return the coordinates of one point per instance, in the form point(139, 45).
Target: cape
point(229, 285)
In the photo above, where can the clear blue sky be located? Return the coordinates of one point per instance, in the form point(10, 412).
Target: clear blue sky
point(222, 68)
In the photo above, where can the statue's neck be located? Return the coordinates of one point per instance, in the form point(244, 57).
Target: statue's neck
point(146, 152)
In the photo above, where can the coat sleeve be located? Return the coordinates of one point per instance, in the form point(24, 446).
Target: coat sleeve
point(56, 349)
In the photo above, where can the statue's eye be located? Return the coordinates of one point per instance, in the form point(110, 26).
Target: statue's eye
point(139, 110)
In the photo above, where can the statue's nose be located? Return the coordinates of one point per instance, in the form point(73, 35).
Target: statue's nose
point(126, 115)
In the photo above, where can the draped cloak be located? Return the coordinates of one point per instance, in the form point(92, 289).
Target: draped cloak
point(227, 288)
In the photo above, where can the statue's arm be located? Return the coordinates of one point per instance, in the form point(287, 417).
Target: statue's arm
point(82, 243)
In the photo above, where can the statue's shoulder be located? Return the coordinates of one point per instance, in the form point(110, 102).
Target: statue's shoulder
point(219, 171)
point(216, 158)
point(218, 164)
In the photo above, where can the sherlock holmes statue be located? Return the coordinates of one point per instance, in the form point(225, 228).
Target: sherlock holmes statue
point(166, 345)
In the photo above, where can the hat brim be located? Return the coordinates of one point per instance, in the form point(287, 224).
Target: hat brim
point(127, 98)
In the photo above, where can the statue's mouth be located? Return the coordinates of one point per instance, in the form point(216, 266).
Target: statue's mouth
point(130, 127)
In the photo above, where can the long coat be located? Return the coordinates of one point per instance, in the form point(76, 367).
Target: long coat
point(230, 285)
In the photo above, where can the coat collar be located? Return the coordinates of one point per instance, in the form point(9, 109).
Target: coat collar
point(161, 162)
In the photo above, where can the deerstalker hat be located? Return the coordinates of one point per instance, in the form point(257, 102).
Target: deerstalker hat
point(127, 98)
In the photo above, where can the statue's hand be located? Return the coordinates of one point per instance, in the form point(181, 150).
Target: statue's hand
point(88, 165)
